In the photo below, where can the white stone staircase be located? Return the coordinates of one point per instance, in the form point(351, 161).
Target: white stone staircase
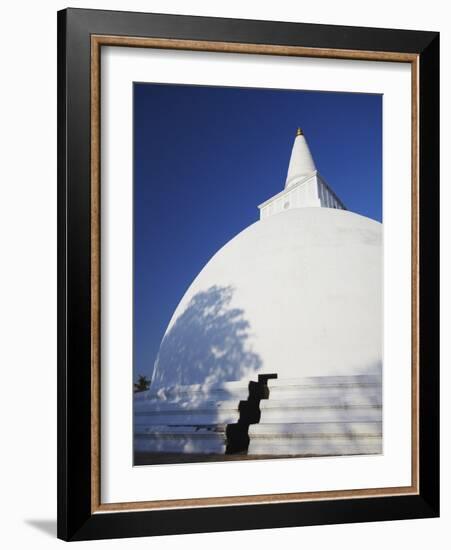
point(340, 415)
point(317, 416)
point(187, 419)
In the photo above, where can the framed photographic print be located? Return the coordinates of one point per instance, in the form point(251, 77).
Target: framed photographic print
point(248, 274)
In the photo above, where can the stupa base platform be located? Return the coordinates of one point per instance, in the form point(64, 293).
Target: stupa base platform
point(268, 418)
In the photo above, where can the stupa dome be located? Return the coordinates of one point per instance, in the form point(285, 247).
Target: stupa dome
point(297, 294)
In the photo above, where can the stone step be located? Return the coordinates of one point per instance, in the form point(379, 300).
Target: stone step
point(315, 447)
point(331, 393)
point(320, 414)
point(321, 382)
point(316, 429)
point(186, 405)
point(188, 418)
point(200, 430)
point(209, 405)
point(181, 439)
point(223, 391)
point(322, 401)
point(274, 417)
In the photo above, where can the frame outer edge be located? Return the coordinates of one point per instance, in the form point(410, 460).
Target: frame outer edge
point(429, 190)
point(75, 521)
point(194, 27)
point(74, 391)
point(62, 465)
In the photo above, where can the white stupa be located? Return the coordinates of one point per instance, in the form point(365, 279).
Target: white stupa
point(276, 347)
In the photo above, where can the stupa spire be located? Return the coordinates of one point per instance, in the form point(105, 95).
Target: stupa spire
point(301, 161)
point(304, 186)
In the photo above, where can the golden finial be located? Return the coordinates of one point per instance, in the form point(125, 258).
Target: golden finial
point(299, 132)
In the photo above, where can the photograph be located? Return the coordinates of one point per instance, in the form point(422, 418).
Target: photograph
point(257, 274)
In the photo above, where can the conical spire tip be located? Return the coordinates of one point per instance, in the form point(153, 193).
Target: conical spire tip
point(299, 132)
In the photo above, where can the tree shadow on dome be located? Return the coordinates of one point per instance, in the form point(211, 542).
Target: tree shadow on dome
point(208, 343)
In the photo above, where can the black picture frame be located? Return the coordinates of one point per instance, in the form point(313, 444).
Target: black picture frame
point(76, 518)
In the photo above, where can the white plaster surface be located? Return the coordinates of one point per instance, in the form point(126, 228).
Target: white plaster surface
point(298, 294)
point(308, 191)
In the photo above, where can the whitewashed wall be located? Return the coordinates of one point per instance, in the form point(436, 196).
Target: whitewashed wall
point(308, 192)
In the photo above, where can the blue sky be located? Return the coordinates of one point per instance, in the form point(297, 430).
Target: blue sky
point(205, 157)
